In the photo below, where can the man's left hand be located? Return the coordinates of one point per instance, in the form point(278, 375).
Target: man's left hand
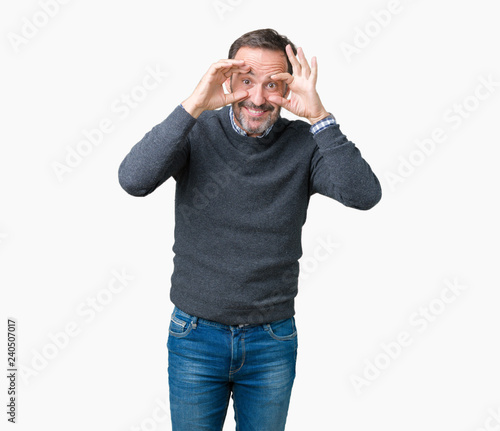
point(304, 100)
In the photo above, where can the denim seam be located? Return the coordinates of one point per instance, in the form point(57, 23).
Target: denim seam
point(179, 322)
point(278, 338)
point(270, 331)
point(181, 334)
point(243, 357)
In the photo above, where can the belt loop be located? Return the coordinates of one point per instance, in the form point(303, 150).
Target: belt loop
point(195, 322)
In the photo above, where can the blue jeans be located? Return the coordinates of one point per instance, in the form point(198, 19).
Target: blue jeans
point(209, 361)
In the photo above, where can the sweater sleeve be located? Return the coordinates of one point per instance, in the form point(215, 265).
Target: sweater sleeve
point(339, 171)
point(161, 153)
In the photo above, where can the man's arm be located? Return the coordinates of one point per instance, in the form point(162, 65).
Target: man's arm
point(339, 171)
point(164, 151)
point(337, 168)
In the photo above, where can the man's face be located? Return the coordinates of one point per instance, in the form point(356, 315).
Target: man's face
point(256, 114)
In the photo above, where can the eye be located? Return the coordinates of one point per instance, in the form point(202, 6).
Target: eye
point(272, 85)
point(246, 81)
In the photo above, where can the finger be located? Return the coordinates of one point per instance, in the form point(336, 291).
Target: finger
point(236, 96)
point(228, 69)
point(230, 61)
point(226, 65)
point(314, 69)
point(293, 59)
point(278, 100)
point(283, 77)
point(303, 61)
point(229, 72)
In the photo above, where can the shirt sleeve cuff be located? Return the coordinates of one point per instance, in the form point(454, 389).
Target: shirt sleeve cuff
point(323, 124)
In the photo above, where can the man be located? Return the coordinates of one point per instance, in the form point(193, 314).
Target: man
point(244, 177)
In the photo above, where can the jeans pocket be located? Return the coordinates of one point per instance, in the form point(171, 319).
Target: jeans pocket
point(282, 330)
point(180, 324)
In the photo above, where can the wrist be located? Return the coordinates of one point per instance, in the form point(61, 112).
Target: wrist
point(316, 118)
point(191, 108)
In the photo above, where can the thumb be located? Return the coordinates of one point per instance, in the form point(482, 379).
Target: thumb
point(278, 100)
point(236, 96)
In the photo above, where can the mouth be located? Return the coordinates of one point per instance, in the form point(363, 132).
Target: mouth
point(255, 112)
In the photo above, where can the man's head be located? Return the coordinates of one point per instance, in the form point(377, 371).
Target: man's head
point(264, 51)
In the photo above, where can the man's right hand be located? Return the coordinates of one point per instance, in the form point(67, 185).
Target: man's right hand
point(209, 93)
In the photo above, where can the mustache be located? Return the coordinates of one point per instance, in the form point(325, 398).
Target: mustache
point(248, 104)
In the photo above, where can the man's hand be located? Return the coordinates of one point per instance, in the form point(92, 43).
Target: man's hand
point(209, 93)
point(304, 100)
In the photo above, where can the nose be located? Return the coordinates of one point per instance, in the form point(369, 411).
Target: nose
point(257, 96)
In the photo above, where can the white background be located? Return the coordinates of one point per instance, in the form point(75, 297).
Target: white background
point(62, 238)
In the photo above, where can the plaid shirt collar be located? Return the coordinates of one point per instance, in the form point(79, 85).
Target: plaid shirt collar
point(239, 130)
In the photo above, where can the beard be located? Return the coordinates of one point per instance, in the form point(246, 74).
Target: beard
point(255, 125)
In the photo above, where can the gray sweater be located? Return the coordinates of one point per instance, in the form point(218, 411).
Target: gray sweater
point(240, 205)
